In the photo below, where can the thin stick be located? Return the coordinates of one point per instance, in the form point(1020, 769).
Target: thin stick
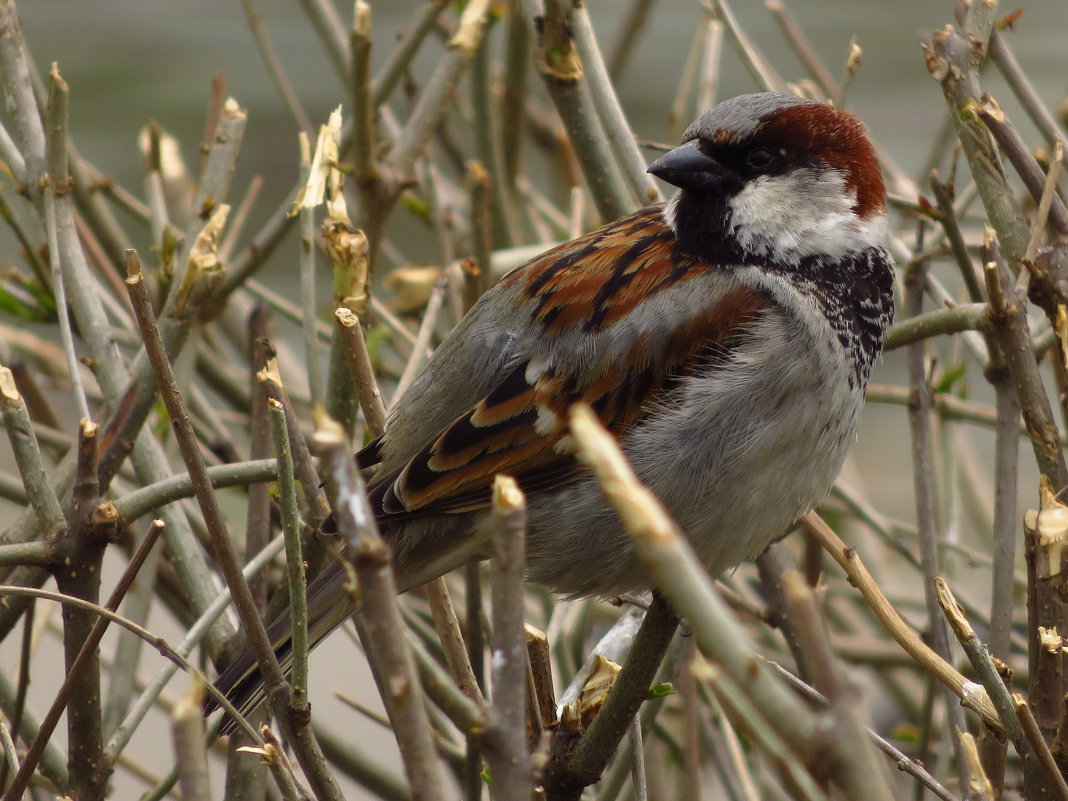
point(1045, 202)
point(88, 649)
point(363, 376)
point(984, 667)
point(978, 785)
point(400, 56)
point(476, 652)
point(201, 627)
point(1006, 492)
point(1010, 321)
point(478, 184)
point(855, 765)
point(679, 116)
point(606, 102)
point(327, 24)
point(708, 75)
point(363, 767)
point(745, 715)
point(920, 424)
point(803, 49)
point(971, 695)
point(1051, 207)
point(379, 613)
point(315, 505)
point(18, 87)
point(240, 217)
point(637, 761)
point(951, 225)
point(363, 130)
point(758, 66)
point(510, 763)
point(561, 69)
point(852, 65)
point(274, 66)
point(452, 640)
point(512, 116)
point(902, 761)
point(80, 557)
point(313, 361)
point(39, 488)
point(244, 603)
point(190, 749)
point(951, 59)
point(918, 327)
point(632, 24)
point(147, 499)
point(436, 97)
point(1038, 743)
point(1005, 59)
point(422, 342)
point(298, 584)
point(58, 178)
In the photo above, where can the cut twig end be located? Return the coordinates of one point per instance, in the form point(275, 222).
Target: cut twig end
point(329, 433)
point(133, 266)
point(1050, 639)
point(270, 373)
point(231, 108)
point(469, 31)
point(9, 391)
point(578, 716)
point(1051, 524)
point(506, 494)
point(361, 19)
point(191, 704)
point(346, 317)
point(954, 612)
point(989, 107)
point(56, 78)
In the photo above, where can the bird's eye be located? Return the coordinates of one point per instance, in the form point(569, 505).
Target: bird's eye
point(760, 158)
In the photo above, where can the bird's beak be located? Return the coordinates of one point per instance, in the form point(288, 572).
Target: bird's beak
point(688, 168)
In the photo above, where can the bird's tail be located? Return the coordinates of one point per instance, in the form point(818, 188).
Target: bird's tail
point(329, 605)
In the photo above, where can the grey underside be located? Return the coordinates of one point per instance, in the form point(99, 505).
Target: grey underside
point(717, 456)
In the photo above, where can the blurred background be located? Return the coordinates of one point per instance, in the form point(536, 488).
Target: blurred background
point(130, 62)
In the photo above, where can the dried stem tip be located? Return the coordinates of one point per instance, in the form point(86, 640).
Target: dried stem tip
point(953, 610)
point(1052, 525)
point(328, 431)
point(8, 390)
point(361, 19)
point(469, 31)
point(506, 494)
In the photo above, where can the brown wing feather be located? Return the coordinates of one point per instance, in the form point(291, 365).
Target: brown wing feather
point(520, 428)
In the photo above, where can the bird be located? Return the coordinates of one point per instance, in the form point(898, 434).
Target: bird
point(725, 338)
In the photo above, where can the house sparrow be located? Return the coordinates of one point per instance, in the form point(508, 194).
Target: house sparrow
point(724, 337)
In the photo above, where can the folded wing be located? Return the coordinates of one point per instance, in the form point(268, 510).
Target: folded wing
point(586, 332)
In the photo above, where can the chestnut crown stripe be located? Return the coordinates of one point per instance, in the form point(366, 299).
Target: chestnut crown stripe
point(806, 133)
point(818, 132)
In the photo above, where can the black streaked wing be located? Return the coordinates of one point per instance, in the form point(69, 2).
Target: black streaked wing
point(519, 426)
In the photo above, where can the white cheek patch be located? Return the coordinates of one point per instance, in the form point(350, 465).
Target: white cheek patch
point(670, 209)
point(805, 212)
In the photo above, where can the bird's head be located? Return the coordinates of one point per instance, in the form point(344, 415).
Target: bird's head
point(774, 177)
